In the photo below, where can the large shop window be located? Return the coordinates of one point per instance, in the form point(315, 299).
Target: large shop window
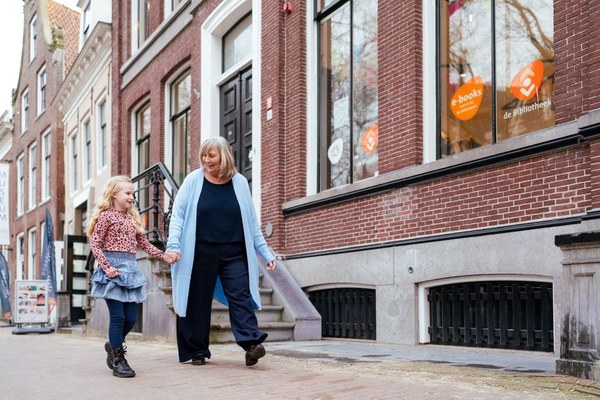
point(496, 71)
point(348, 108)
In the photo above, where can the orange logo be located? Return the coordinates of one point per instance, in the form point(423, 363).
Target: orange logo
point(527, 81)
point(370, 139)
point(467, 99)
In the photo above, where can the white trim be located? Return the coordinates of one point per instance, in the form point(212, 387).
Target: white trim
point(134, 114)
point(20, 253)
point(225, 15)
point(134, 23)
point(32, 181)
point(85, 158)
point(312, 111)
point(25, 115)
point(167, 120)
point(31, 249)
point(99, 165)
point(20, 188)
point(46, 187)
point(429, 89)
point(39, 110)
point(423, 292)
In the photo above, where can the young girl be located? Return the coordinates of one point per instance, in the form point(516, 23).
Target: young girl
point(116, 232)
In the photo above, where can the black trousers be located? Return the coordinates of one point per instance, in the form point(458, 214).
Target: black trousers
point(228, 262)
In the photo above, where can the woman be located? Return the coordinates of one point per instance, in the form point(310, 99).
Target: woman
point(214, 241)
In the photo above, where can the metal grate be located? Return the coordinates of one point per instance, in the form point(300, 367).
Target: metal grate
point(346, 312)
point(501, 314)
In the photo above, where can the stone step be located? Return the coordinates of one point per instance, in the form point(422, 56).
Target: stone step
point(268, 313)
point(278, 331)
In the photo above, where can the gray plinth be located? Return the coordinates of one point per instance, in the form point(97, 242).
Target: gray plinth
point(579, 306)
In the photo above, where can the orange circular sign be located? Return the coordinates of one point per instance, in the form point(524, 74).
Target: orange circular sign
point(466, 100)
point(370, 139)
point(527, 81)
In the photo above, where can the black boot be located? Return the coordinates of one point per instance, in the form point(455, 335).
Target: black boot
point(120, 366)
point(109, 355)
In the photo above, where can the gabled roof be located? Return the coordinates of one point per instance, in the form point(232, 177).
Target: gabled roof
point(68, 19)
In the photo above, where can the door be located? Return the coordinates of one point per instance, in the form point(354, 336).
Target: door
point(236, 119)
point(76, 276)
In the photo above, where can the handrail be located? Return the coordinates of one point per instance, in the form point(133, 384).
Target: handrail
point(160, 179)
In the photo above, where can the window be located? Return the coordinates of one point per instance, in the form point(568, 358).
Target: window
point(20, 184)
point(74, 166)
point(32, 37)
point(237, 43)
point(25, 111)
point(86, 20)
point(20, 256)
point(141, 22)
point(171, 5)
point(180, 116)
point(46, 166)
point(32, 176)
point(102, 140)
point(31, 251)
point(348, 107)
point(87, 151)
point(41, 100)
point(496, 71)
point(142, 133)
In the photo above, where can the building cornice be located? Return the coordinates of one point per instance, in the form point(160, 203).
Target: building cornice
point(87, 64)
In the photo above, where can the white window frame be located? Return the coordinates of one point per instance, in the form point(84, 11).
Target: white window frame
point(168, 126)
point(32, 256)
point(20, 267)
point(73, 167)
point(32, 182)
point(86, 150)
point(86, 15)
point(136, 24)
point(25, 111)
point(102, 135)
point(20, 184)
point(46, 165)
point(429, 81)
point(312, 96)
point(143, 105)
point(169, 8)
point(42, 80)
point(32, 37)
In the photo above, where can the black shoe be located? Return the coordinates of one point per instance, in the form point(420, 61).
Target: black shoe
point(254, 353)
point(109, 356)
point(121, 367)
point(198, 360)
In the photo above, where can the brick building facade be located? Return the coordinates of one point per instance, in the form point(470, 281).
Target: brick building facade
point(50, 37)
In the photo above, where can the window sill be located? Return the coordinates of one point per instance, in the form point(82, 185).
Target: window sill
point(570, 134)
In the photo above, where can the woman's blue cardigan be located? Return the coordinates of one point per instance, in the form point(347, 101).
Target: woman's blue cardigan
point(182, 238)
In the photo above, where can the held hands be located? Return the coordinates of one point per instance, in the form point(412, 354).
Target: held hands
point(171, 257)
point(271, 265)
point(112, 272)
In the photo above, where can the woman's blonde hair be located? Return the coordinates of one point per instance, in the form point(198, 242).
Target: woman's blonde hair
point(113, 186)
point(220, 144)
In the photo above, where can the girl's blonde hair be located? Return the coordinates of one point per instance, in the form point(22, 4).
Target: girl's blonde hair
point(113, 186)
point(220, 144)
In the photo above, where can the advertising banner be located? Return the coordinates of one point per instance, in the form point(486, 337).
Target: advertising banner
point(31, 302)
point(4, 231)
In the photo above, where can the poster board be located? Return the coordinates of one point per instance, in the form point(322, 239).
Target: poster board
point(31, 302)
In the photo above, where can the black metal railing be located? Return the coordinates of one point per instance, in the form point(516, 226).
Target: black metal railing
point(346, 312)
point(155, 188)
point(501, 314)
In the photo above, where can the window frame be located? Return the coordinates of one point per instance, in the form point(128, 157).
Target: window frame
point(175, 116)
point(20, 255)
point(137, 141)
point(41, 92)
point(101, 135)
point(86, 150)
point(24, 110)
point(21, 184)
point(32, 181)
point(85, 20)
point(32, 254)
point(32, 38)
point(46, 165)
point(73, 162)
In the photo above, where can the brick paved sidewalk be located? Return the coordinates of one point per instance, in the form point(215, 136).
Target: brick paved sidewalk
point(59, 366)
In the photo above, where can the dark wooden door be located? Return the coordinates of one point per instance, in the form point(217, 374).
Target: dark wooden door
point(236, 119)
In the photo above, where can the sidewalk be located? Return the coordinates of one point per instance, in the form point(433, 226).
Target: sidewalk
point(63, 366)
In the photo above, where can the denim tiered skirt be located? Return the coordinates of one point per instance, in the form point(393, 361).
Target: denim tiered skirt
point(128, 287)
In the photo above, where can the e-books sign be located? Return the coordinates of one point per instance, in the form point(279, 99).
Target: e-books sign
point(4, 232)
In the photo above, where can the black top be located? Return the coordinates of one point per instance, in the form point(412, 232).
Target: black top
point(219, 219)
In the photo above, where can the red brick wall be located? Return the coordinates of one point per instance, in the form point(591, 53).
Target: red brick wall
point(543, 187)
point(49, 119)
